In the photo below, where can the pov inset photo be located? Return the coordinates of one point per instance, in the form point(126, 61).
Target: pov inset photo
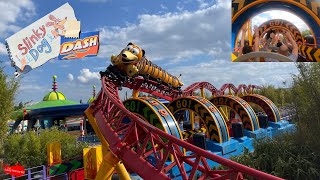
point(276, 31)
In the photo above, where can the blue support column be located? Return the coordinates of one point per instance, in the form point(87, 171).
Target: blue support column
point(29, 174)
point(44, 172)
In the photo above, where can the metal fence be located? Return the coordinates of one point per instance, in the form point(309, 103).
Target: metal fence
point(287, 113)
point(89, 139)
point(34, 173)
point(40, 173)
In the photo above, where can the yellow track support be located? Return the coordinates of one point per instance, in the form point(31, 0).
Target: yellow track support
point(107, 167)
point(135, 93)
point(110, 162)
point(122, 171)
point(249, 33)
point(191, 114)
point(202, 92)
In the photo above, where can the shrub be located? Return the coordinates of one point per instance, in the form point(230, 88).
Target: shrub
point(284, 157)
point(30, 149)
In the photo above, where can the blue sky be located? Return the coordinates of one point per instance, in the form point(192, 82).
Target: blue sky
point(188, 37)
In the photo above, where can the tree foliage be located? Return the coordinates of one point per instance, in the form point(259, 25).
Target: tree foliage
point(283, 157)
point(30, 149)
point(8, 89)
point(306, 32)
point(207, 95)
point(279, 96)
point(294, 156)
point(306, 93)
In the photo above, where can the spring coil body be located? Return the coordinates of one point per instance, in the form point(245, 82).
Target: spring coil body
point(146, 67)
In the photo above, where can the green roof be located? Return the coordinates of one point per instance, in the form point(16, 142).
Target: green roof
point(91, 100)
point(55, 103)
point(53, 95)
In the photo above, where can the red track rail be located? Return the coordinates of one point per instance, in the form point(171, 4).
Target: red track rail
point(152, 87)
point(215, 91)
point(200, 85)
point(129, 143)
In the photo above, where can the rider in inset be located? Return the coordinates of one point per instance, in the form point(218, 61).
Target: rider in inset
point(245, 48)
point(284, 49)
point(289, 49)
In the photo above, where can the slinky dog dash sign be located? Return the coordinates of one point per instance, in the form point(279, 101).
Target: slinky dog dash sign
point(36, 44)
point(87, 45)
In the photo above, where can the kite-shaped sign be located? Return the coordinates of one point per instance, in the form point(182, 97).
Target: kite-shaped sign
point(39, 42)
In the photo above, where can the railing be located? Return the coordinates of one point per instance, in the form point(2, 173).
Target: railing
point(89, 139)
point(34, 173)
point(287, 113)
point(40, 173)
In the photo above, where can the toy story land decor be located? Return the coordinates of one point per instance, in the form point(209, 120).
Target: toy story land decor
point(39, 42)
point(92, 158)
point(54, 153)
point(16, 170)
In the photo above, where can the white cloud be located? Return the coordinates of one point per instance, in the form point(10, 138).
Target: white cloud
point(203, 4)
point(78, 91)
point(30, 87)
point(7, 63)
point(87, 76)
point(219, 72)
point(3, 49)
point(162, 6)
point(278, 14)
point(70, 77)
point(173, 35)
point(13, 12)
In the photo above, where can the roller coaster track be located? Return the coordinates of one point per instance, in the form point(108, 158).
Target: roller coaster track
point(152, 87)
point(200, 85)
point(215, 91)
point(165, 92)
point(128, 141)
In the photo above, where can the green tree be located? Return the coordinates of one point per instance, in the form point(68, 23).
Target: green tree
point(294, 156)
point(8, 88)
point(19, 106)
point(207, 95)
point(279, 96)
point(306, 32)
point(306, 93)
point(284, 157)
point(30, 149)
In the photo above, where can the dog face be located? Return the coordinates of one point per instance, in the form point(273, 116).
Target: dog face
point(131, 54)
